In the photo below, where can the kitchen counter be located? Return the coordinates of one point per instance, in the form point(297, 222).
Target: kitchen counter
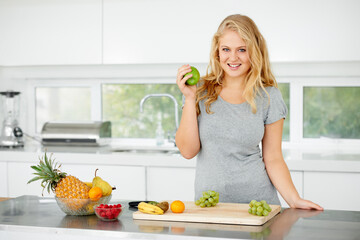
point(320, 159)
point(31, 217)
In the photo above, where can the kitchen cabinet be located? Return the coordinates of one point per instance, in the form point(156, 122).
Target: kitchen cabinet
point(3, 180)
point(129, 181)
point(165, 183)
point(131, 38)
point(333, 190)
point(166, 177)
point(297, 178)
point(18, 175)
point(178, 183)
point(41, 32)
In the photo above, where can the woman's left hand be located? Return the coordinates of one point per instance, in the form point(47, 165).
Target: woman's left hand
point(306, 204)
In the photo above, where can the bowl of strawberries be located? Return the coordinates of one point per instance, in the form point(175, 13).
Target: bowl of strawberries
point(108, 212)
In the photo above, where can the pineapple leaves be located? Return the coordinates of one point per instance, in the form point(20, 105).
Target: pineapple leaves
point(36, 168)
point(34, 179)
point(49, 188)
point(47, 161)
point(47, 171)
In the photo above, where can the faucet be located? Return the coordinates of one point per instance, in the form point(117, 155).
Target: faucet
point(175, 107)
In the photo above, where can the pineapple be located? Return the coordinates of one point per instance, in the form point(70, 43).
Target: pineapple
point(74, 192)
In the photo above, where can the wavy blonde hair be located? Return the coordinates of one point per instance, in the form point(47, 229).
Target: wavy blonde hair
point(259, 75)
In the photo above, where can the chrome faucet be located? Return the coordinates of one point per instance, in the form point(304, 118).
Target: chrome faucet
point(175, 106)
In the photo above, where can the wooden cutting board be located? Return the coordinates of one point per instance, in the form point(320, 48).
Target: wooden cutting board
point(224, 213)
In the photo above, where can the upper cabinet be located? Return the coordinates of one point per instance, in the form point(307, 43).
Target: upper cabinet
point(56, 32)
point(165, 31)
point(156, 32)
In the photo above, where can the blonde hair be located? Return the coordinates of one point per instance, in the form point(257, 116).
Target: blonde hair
point(259, 75)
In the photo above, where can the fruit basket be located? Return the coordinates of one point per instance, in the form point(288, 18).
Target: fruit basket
point(79, 207)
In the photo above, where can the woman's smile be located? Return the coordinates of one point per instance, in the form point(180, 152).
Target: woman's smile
point(234, 66)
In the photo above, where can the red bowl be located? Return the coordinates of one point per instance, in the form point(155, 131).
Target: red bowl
point(108, 212)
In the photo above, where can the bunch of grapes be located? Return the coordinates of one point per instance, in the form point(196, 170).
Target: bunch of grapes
point(259, 208)
point(209, 199)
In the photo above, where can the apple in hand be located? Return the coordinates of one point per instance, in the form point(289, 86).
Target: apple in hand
point(195, 77)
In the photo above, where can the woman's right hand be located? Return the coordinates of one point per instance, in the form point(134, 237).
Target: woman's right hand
point(187, 90)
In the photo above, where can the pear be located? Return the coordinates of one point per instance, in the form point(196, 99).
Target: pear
point(105, 187)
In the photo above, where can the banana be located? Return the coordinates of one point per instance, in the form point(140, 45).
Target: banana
point(150, 209)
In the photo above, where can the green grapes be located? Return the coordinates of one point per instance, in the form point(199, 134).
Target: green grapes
point(208, 199)
point(259, 208)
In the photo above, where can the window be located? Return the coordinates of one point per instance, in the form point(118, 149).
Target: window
point(285, 92)
point(332, 112)
point(121, 106)
point(62, 104)
point(323, 102)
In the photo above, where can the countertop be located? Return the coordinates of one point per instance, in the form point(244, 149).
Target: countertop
point(298, 159)
point(31, 217)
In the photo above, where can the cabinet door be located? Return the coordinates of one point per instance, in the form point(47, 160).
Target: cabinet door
point(128, 180)
point(170, 183)
point(18, 176)
point(297, 178)
point(41, 32)
point(3, 180)
point(133, 34)
point(339, 191)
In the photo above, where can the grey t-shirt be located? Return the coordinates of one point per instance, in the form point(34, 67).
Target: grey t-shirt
point(230, 160)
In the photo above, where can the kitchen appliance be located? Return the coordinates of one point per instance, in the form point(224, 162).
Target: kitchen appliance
point(95, 133)
point(222, 213)
point(11, 133)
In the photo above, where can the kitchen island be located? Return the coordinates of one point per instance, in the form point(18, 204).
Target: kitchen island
point(32, 217)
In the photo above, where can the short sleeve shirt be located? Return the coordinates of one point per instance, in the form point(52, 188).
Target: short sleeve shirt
point(230, 159)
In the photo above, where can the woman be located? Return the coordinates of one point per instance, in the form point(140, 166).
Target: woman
point(235, 107)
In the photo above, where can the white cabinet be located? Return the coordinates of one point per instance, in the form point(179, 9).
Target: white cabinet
point(18, 176)
point(331, 190)
point(297, 178)
point(41, 32)
point(3, 180)
point(128, 180)
point(167, 33)
point(340, 191)
point(165, 183)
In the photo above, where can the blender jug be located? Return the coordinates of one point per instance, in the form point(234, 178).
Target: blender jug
point(11, 134)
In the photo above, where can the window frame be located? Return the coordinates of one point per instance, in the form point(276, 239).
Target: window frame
point(296, 86)
point(96, 93)
point(58, 83)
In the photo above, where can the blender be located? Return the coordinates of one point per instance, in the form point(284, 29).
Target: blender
point(11, 134)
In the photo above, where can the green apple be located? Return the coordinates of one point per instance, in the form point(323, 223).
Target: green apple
point(195, 77)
